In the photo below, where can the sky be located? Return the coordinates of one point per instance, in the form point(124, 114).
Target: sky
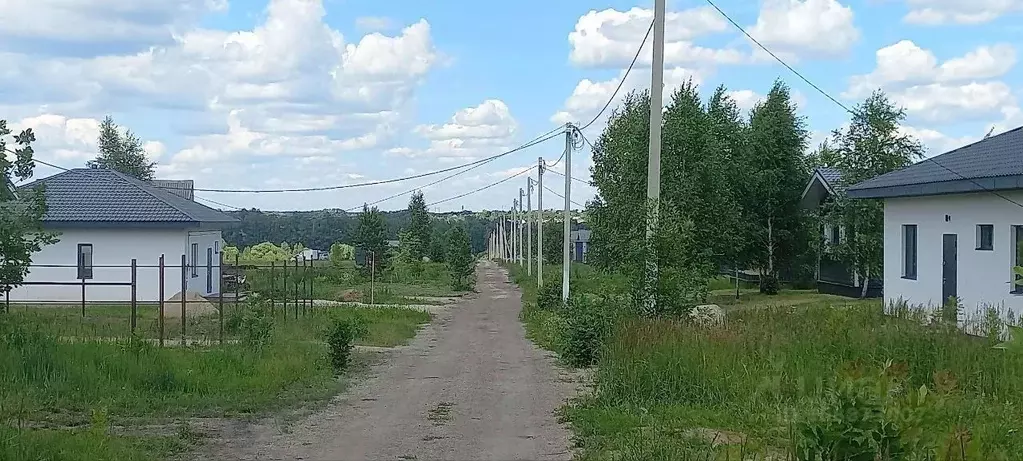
point(281, 94)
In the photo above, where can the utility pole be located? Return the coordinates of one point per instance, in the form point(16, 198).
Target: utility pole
point(566, 260)
point(539, 222)
point(521, 224)
point(653, 178)
point(529, 226)
point(514, 224)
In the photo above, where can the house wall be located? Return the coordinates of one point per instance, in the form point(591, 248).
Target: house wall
point(111, 247)
point(197, 279)
point(983, 276)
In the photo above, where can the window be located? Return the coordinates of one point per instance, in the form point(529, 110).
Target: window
point(1017, 258)
point(985, 237)
point(909, 251)
point(836, 235)
point(195, 259)
point(216, 247)
point(84, 261)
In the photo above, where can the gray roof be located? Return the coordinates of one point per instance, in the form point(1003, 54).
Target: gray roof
point(991, 164)
point(98, 196)
point(823, 182)
point(831, 175)
point(582, 235)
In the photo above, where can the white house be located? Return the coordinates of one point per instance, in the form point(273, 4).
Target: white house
point(104, 220)
point(953, 226)
point(310, 254)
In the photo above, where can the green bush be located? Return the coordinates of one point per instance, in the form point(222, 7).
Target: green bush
point(341, 339)
point(549, 295)
point(769, 284)
point(257, 323)
point(589, 321)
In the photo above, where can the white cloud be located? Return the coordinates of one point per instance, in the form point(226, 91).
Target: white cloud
point(811, 28)
point(610, 38)
point(937, 12)
point(471, 133)
point(589, 96)
point(91, 27)
point(905, 63)
point(373, 23)
point(936, 142)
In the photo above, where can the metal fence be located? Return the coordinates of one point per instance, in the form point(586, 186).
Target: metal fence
point(112, 299)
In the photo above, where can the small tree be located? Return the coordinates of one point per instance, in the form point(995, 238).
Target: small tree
point(339, 253)
point(21, 231)
point(371, 234)
point(124, 153)
point(459, 257)
point(419, 226)
point(872, 145)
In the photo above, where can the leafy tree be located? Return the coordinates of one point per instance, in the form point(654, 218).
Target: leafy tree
point(418, 230)
point(371, 234)
point(410, 254)
point(124, 153)
point(872, 145)
point(459, 258)
point(553, 241)
point(773, 176)
point(339, 253)
point(230, 253)
point(438, 247)
point(21, 231)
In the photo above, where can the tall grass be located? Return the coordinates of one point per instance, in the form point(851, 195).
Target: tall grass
point(770, 368)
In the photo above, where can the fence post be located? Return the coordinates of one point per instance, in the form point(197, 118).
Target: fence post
point(237, 286)
point(305, 281)
point(134, 294)
point(7, 301)
point(184, 291)
point(83, 297)
point(220, 291)
point(162, 297)
point(311, 278)
point(284, 288)
point(296, 287)
point(273, 307)
point(372, 277)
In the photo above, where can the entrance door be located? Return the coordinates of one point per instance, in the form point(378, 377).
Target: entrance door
point(209, 270)
point(949, 266)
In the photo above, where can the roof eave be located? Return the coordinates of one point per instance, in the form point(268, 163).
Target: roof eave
point(959, 186)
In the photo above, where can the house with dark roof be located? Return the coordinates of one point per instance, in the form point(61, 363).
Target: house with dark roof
point(580, 240)
point(833, 276)
point(953, 227)
point(105, 220)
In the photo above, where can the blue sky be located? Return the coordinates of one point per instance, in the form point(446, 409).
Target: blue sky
point(306, 93)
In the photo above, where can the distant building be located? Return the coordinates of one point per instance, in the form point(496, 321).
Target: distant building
point(580, 244)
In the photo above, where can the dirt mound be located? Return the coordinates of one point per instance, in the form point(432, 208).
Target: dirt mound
point(195, 305)
point(351, 296)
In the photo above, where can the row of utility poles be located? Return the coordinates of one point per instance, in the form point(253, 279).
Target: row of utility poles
point(506, 241)
point(499, 245)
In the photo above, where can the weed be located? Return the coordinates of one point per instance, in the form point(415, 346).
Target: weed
point(341, 338)
point(257, 324)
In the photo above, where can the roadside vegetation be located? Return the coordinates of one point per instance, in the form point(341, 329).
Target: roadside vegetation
point(771, 370)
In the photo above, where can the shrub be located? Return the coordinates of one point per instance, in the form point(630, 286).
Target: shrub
point(257, 323)
point(549, 295)
point(340, 341)
point(589, 321)
point(769, 284)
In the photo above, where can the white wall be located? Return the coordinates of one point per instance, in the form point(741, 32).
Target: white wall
point(111, 247)
point(983, 276)
point(204, 240)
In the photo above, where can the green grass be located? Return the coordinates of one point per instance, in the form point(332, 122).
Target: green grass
point(669, 389)
point(51, 382)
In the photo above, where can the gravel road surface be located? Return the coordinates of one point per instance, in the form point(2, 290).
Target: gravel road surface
point(468, 387)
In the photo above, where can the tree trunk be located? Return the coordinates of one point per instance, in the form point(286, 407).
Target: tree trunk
point(866, 284)
point(770, 246)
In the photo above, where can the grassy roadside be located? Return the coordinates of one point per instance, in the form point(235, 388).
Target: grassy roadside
point(60, 399)
point(784, 376)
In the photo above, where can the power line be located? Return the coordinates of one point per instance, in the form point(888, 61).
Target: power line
point(622, 81)
point(573, 178)
point(542, 138)
point(563, 197)
point(217, 203)
point(481, 189)
point(535, 141)
point(843, 106)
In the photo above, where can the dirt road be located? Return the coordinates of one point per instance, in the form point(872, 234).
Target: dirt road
point(470, 386)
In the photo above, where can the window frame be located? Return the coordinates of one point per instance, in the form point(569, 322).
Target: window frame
point(85, 272)
point(216, 247)
point(195, 259)
point(909, 265)
point(980, 237)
